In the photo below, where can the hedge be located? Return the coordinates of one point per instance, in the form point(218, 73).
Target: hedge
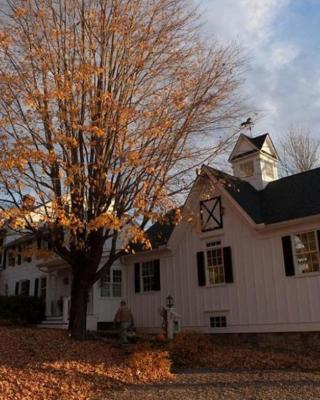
point(22, 309)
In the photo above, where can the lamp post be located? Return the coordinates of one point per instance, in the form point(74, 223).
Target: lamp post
point(169, 301)
point(170, 314)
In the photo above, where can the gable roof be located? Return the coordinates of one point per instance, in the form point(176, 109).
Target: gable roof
point(257, 146)
point(159, 233)
point(258, 141)
point(292, 197)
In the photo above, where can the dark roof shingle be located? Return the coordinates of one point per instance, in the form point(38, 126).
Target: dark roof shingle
point(288, 198)
point(292, 197)
point(258, 141)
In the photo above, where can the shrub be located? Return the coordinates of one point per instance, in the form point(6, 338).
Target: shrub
point(22, 309)
point(190, 349)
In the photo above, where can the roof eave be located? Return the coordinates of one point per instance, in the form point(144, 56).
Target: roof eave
point(129, 258)
point(229, 197)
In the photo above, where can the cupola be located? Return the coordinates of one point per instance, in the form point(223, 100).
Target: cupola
point(255, 160)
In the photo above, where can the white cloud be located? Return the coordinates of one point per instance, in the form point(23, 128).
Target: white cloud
point(250, 21)
point(282, 75)
point(283, 54)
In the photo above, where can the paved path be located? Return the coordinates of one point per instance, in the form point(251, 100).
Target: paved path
point(243, 385)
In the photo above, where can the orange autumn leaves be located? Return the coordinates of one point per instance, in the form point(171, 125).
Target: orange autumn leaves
point(106, 108)
point(45, 364)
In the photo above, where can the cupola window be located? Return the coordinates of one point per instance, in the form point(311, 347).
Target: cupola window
point(246, 169)
point(268, 168)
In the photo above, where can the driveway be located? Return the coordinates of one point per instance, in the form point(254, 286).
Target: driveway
point(231, 385)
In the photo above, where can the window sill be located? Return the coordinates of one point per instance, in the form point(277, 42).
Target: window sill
point(150, 292)
point(217, 285)
point(219, 329)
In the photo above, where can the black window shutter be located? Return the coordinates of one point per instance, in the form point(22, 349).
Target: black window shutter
point(156, 275)
point(16, 291)
point(4, 259)
point(318, 236)
point(288, 255)
point(28, 288)
point(227, 262)
point(50, 246)
point(137, 277)
point(201, 269)
point(36, 287)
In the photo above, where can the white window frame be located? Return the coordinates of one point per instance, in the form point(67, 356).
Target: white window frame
point(26, 248)
point(214, 244)
point(11, 257)
point(111, 283)
point(268, 164)
point(244, 174)
point(143, 290)
point(296, 266)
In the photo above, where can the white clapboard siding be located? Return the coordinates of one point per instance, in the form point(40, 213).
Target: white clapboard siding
point(261, 299)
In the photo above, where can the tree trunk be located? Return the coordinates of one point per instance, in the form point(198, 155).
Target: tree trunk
point(78, 312)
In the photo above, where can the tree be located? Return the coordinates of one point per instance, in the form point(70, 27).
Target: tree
point(299, 151)
point(105, 106)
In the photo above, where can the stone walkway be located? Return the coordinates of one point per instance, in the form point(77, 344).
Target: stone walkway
point(239, 385)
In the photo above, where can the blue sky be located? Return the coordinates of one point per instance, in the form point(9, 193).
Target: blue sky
point(281, 39)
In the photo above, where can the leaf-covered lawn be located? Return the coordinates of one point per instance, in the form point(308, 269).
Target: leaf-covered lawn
point(46, 364)
point(192, 350)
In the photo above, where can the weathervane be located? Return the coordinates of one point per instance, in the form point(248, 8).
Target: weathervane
point(248, 124)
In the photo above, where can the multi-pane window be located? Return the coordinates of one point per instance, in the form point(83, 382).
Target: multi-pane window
point(246, 169)
point(24, 288)
point(148, 276)
point(306, 252)
point(12, 257)
point(219, 321)
point(268, 169)
point(43, 288)
point(116, 284)
point(215, 266)
point(27, 251)
point(111, 284)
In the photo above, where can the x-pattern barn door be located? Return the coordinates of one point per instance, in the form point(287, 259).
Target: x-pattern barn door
point(211, 214)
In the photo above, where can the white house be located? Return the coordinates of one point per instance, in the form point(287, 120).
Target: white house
point(244, 258)
point(29, 268)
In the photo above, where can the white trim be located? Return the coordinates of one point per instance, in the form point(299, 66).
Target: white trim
point(142, 291)
point(220, 246)
point(296, 269)
point(113, 268)
point(288, 223)
point(229, 197)
point(146, 255)
point(241, 137)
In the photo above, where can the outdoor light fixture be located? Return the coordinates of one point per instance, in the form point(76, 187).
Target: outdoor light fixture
point(169, 301)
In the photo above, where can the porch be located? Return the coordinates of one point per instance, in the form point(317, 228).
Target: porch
point(58, 294)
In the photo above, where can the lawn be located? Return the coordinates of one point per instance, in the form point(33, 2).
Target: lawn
point(46, 364)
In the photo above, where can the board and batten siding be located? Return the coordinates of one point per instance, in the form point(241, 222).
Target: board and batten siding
point(261, 298)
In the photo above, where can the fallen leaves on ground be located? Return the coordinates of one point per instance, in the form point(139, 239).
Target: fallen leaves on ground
point(192, 350)
point(45, 364)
